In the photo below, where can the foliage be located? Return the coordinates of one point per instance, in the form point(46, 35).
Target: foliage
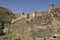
point(1, 28)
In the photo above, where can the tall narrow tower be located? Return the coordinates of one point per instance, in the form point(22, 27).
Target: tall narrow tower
point(51, 7)
point(59, 8)
point(34, 13)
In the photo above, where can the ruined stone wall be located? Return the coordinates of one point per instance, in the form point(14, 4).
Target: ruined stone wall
point(33, 15)
point(18, 18)
point(51, 7)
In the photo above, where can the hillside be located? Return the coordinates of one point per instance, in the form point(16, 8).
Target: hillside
point(39, 27)
point(43, 27)
point(6, 14)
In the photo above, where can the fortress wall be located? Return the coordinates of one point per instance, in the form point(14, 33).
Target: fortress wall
point(38, 14)
point(59, 8)
point(24, 15)
point(34, 14)
point(28, 16)
point(18, 18)
point(51, 7)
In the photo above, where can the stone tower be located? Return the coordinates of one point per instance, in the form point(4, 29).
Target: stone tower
point(28, 16)
point(51, 7)
point(34, 14)
point(22, 14)
point(59, 8)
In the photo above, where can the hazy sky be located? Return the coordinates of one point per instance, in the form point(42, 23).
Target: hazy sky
point(27, 6)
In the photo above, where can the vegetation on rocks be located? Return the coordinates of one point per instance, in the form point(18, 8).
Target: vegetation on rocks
point(45, 27)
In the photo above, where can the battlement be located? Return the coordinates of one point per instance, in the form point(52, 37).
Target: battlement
point(34, 14)
point(28, 16)
point(51, 7)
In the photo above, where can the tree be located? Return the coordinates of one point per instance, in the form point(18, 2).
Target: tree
point(2, 26)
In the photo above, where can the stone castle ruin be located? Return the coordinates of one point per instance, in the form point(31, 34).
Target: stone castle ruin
point(39, 24)
point(34, 14)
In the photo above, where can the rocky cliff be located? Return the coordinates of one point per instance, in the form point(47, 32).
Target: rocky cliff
point(45, 26)
point(6, 14)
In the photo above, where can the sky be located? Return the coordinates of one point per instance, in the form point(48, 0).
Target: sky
point(27, 6)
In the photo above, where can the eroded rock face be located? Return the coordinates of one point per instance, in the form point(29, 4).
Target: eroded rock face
point(45, 26)
point(41, 26)
point(43, 20)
